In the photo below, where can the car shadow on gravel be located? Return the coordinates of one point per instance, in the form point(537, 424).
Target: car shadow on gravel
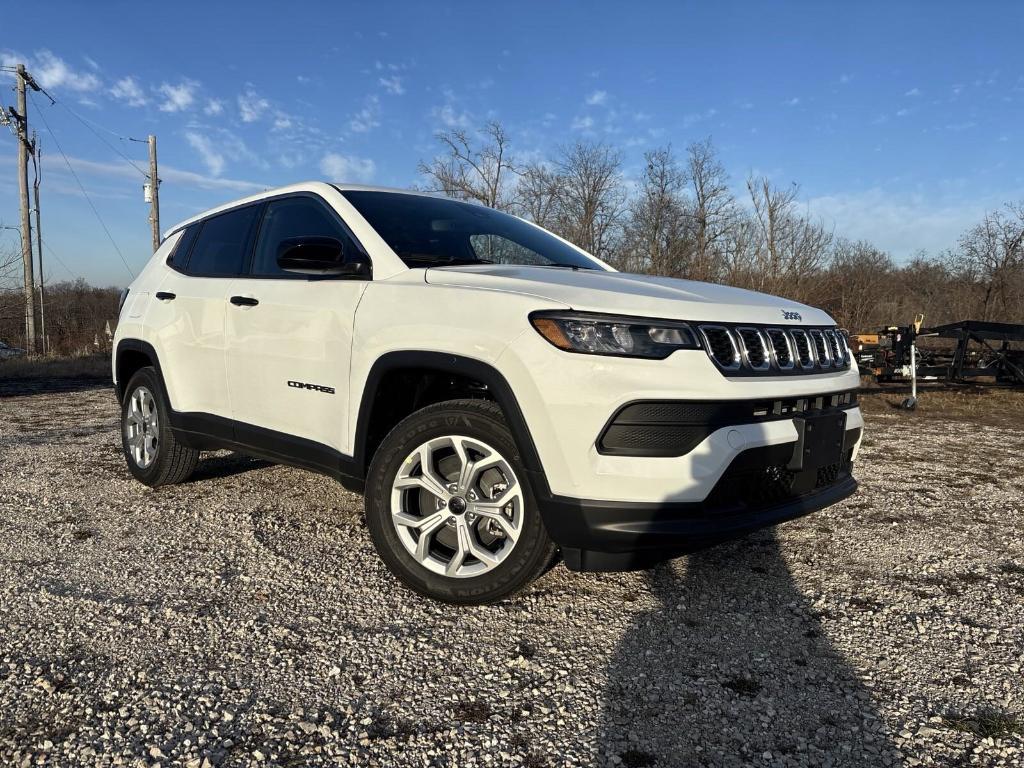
point(212, 467)
point(733, 668)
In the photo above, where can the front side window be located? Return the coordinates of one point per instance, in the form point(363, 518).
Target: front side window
point(222, 245)
point(290, 218)
point(435, 232)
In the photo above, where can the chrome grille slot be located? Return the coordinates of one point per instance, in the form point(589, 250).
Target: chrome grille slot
point(802, 345)
point(782, 347)
point(721, 346)
point(835, 347)
point(754, 348)
point(821, 350)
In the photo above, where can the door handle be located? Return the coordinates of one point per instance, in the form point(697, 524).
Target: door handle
point(244, 301)
point(165, 296)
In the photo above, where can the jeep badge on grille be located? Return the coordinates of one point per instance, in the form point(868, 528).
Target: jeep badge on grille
point(790, 315)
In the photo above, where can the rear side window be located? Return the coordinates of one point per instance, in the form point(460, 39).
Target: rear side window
point(288, 218)
point(222, 245)
point(179, 256)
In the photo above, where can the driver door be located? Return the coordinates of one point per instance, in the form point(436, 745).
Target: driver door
point(289, 336)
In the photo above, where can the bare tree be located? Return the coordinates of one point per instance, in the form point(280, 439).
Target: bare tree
point(656, 234)
point(591, 197)
point(792, 247)
point(993, 253)
point(536, 194)
point(477, 168)
point(713, 211)
point(859, 281)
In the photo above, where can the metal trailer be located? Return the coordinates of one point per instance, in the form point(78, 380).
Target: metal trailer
point(993, 355)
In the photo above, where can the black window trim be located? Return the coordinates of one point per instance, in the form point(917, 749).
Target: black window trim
point(258, 225)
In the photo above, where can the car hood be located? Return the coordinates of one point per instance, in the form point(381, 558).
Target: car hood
point(592, 290)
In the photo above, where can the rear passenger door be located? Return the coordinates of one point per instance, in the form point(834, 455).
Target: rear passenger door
point(187, 315)
point(289, 344)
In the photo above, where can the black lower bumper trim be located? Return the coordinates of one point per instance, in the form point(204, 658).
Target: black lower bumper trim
point(616, 536)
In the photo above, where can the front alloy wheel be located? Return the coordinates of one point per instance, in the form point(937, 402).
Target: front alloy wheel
point(457, 506)
point(450, 507)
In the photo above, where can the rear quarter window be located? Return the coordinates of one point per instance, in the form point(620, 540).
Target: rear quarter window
point(222, 246)
point(178, 258)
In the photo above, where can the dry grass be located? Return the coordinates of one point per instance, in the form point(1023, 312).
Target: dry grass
point(84, 366)
point(978, 404)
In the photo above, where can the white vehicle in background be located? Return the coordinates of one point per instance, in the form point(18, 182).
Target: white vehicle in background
point(500, 397)
point(7, 352)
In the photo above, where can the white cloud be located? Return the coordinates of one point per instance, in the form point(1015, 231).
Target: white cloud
point(392, 85)
point(282, 122)
point(582, 123)
point(368, 117)
point(902, 225)
point(902, 112)
point(913, 92)
point(213, 107)
point(177, 97)
point(168, 173)
point(450, 117)
point(792, 102)
point(347, 168)
point(597, 98)
point(51, 71)
point(251, 106)
point(697, 117)
point(845, 78)
point(212, 159)
point(128, 90)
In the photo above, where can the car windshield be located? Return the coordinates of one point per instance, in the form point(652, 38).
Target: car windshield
point(435, 232)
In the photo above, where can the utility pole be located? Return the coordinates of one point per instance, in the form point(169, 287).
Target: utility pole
point(26, 234)
point(39, 244)
point(154, 194)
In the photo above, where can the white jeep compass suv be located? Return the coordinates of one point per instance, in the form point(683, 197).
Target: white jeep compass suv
point(499, 396)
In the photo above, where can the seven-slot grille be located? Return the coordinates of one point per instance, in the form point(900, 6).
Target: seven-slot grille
point(750, 349)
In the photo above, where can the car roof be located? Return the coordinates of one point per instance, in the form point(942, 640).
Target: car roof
point(320, 187)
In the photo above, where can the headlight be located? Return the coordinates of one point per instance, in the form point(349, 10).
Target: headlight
point(613, 335)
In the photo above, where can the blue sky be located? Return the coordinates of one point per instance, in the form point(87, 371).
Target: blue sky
point(900, 121)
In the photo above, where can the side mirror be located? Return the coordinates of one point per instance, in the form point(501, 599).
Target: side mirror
point(320, 256)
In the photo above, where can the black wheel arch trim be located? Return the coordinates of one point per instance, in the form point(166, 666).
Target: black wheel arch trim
point(135, 345)
point(443, 362)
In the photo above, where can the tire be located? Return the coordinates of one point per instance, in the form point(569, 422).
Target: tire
point(165, 461)
point(514, 550)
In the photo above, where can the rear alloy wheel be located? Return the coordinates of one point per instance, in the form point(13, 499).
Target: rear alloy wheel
point(154, 456)
point(451, 510)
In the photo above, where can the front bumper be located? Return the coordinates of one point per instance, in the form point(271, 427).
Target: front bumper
point(761, 487)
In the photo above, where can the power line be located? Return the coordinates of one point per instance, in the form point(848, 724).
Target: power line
point(89, 124)
point(60, 261)
point(82, 187)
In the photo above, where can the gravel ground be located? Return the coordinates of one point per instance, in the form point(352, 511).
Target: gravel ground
point(243, 619)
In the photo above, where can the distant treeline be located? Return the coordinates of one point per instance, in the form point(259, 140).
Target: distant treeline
point(680, 219)
point(76, 317)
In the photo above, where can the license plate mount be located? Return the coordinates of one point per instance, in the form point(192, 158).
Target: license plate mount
point(819, 441)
